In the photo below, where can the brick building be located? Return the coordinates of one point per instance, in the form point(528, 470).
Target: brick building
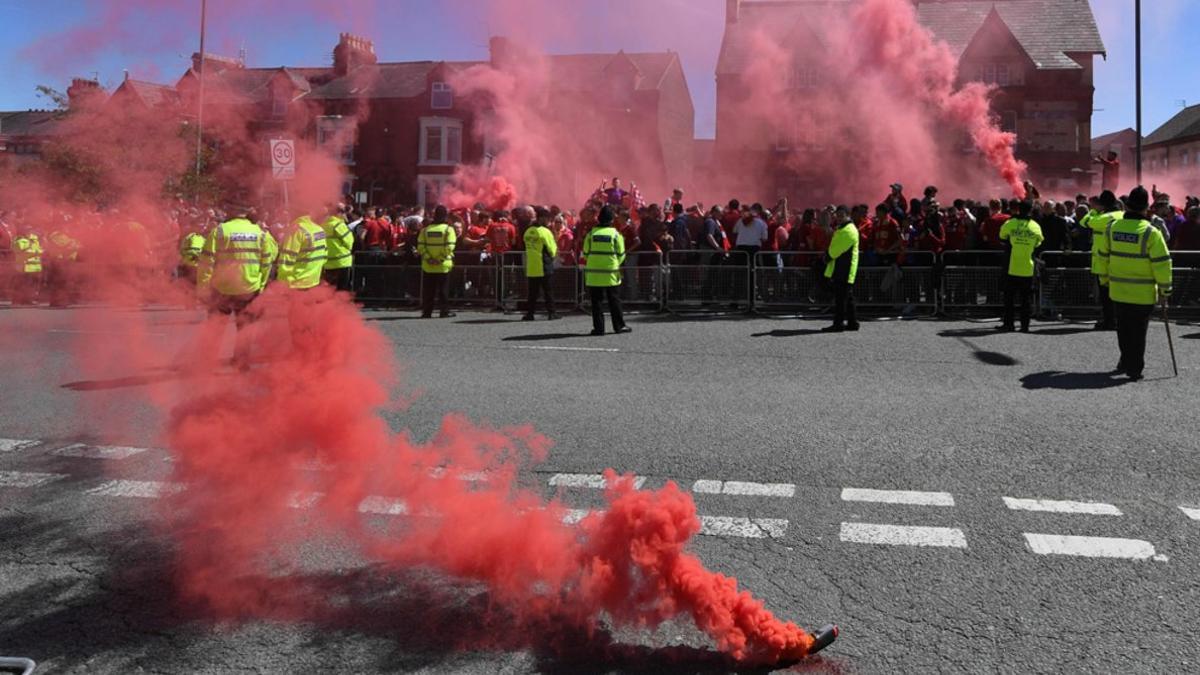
point(1038, 53)
point(1174, 150)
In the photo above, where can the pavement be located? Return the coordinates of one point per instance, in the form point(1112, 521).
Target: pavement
point(957, 500)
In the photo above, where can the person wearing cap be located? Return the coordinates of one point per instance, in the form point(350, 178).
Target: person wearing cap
point(233, 269)
point(540, 251)
point(604, 253)
point(1098, 223)
point(841, 270)
point(340, 244)
point(435, 246)
point(1135, 263)
point(1024, 237)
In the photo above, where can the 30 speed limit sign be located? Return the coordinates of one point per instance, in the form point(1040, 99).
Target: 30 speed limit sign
point(283, 159)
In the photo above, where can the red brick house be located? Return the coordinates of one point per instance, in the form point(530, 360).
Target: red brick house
point(1037, 52)
point(1174, 150)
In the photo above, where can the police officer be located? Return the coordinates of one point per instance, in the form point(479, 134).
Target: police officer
point(27, 259)
point(604, 251)
point(190, 247)
point(435, 246)
point(1098, 221)
point(842, 270)
point(540, 251)
point(302, 255)
point(1136, 265)
point(339, 239)
point(233, 269)
point(1023, 236)
point(62, 252)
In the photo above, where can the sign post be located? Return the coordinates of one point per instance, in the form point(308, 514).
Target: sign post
point(283, 164)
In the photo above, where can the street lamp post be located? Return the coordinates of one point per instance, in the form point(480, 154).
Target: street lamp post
point(200, 98)
point(1137, 22)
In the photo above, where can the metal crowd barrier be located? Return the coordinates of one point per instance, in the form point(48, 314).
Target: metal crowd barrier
point(908, 286)
point(641, 284)
point(700, 279)
point(1066, 284)
point(789, 280)
point(973, 280)
point(565, 283)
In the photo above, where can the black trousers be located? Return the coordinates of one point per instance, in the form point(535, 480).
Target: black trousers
point(612, 295)
point(740, 280)
point(1108, 318)
point(844, 312)
point(539, 286)
point(339, 279)
point(434, 286)
point(1018, 286)
point(1133, 321)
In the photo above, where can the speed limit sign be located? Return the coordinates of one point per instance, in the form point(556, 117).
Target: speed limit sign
point(283, 159)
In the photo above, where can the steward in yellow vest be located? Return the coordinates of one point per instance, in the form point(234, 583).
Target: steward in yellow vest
point(540, 251)
point(1136, 265)
point(842, 271)
point(1024, 237)
point(604, 253)
point(27, 258)
point(62, 252)
point(1098, 221)
point(435, 245)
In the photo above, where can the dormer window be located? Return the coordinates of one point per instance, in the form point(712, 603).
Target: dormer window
point(279, 105)
point(443, 96)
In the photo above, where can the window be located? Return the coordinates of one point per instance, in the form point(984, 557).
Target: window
point(441, 141)
point(337, 135)
point(279, 106)
point(803, 77)
point(1185, 158)
point(431, 187)
point(1000, 74)
point(443, 96)
point(1008, 121)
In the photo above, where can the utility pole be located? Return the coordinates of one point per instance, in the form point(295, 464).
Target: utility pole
point(200, 98)
point(1137, 22)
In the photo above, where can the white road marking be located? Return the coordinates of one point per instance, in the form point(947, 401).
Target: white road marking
point(903, 535)
point(101, 332)
point(468, 476)
point(384, 506)
point(1052, 506)
point(23, 479)
point(565, 349)
point(573, 516)
point(593, 481)
point(141, 489)
point(97, 451)
point(14, 444)
point(898, 497)
point(751, 528)
point(304, 500)
point(1191, 512)
point(1090, 547)
point(745, 489)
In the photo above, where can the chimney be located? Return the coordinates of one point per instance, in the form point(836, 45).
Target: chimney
point(733, 11)
point(500, 50)
point(351, 52)
point(82, 91)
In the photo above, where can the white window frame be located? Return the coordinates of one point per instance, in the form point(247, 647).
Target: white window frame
point(437, 181)
point(441, 89)
point(445, 124)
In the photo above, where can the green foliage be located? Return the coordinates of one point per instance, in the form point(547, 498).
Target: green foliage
point(60, 100)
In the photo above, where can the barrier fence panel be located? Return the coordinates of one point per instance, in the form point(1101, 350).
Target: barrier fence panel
point(641, 282)
point(386, 278)
point(475, 280)
point(1066, 284)
point(705, 278)
point(514, 284)
point(906, 287)
point(973, 280)
point(789, 280)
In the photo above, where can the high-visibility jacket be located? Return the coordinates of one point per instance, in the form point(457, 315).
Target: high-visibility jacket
point(236, 259)
point(302, 255)
point(190, 247)
point(435, 245)
point(540, 250)
point(1098, 224)
point(604, 250)
point(339, 242)
point(62, 247)
point(28, 253)
point(843, 253)
point(1025, 236)
point(1134, 262)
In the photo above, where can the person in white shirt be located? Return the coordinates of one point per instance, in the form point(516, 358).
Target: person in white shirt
point(749, 235)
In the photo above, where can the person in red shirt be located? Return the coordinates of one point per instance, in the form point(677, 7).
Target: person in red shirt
point(399, 234)
point(886, 240)
point(730, 219)
point(501, 235)
point(862, 220)
point(376, 234)
point(989, 230)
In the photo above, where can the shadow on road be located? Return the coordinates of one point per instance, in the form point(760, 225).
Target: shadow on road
point(969, 332)
point(986, 357)
point(544, 336)
point(486, 322)
point(1057, 379)
point(779, 333)
point(1191, 336)
point(1066, 330)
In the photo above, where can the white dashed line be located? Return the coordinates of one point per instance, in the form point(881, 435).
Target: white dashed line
point(750, 528)
point(573, 516)
point(565, 349)
point(898, 497)
point(1052, 506)
point(140, 489)
point(903, 535)
point(22, 479)
point(467, 476)
point(593, 481)
point(1091, 547)
point(97, 451)
point(15, 444)
point(1191, 512)
point(384, 506)
point(745, 489)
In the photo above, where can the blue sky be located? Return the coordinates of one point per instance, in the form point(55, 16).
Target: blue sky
point(154, 45)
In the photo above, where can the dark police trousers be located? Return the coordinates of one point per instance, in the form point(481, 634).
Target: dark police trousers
point(844, 313)
point(434, 285)
point(1015, 286)
point(1132, 323)
point(539, 286)
point(612, 294)
point(1107, 317)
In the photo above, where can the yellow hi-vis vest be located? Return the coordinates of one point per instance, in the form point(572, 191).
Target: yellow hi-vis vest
point(1025, 236)
point(28, 253)
point(1134, 262)
point(190, 248)
point(604, 250)
point(61, 246)
point(1099, 226)
point(844, 242)
point(303, 254)
point(540, 248)
point(236, 259)
point(339, 241)
point(435, 245)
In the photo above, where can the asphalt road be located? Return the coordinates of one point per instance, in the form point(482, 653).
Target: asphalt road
point(856, 478)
